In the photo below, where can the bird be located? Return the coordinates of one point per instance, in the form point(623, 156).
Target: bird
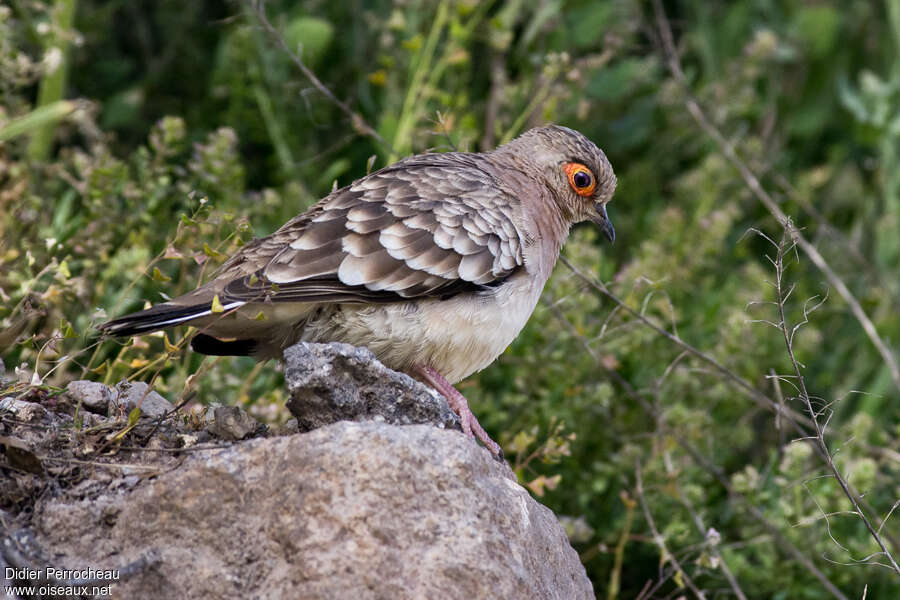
point(434, 263)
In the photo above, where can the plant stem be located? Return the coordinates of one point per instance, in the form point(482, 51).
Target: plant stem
point(616, 574)
point(787, 243)
point(410, 111)
point(53, 84)
point(756, 188)
point(39, 118)
point(659, 540)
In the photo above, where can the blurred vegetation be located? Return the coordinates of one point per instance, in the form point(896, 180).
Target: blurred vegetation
point(141, 143)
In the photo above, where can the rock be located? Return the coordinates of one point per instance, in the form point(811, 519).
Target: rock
point(289, 428)
point(334, 382)
point(363, 510)
point(93, 396)
point(20, 455)
point(230, 423)
point(89, 419)
point(350, 510)
point(28, 412)
point(130, 394)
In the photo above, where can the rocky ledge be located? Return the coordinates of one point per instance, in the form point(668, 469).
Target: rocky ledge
point(371, 493)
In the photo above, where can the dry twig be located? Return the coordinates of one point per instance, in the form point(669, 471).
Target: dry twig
point(787, 243)
point(713, 548)
point(794, 419)
point(658, 539)
point(753, 184)
point(779, 538)
point(359, 124)
point(728, 374)
point(781, 541)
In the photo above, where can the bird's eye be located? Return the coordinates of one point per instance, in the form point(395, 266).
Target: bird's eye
point(580, 178)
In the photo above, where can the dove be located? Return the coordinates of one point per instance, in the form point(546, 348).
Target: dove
point(434, 263)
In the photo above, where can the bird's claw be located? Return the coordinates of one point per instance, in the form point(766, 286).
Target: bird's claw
point(472, 428)
point(458, 403)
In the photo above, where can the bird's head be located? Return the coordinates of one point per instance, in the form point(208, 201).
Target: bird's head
point(575, 170)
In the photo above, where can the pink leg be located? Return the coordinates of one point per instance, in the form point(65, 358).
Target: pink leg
point(470, 425)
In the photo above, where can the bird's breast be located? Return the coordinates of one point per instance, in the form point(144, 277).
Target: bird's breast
point(457, 336)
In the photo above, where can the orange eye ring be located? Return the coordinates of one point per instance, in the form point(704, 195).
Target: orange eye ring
point(581, 179)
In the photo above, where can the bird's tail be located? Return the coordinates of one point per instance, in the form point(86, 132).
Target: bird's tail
point(159, 317)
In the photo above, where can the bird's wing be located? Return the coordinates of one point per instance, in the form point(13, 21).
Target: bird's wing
point(416, 229)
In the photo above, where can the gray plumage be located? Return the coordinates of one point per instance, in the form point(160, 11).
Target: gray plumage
point(437, 260)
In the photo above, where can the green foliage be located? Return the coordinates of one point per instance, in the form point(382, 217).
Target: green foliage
point(190, 131)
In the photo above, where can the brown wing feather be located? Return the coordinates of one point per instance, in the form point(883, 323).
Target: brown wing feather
point(433, 225)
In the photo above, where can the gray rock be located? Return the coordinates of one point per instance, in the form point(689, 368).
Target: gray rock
point(289, 428)
point(338, 382)
point(24, 411)
point(230, 422)
point(351, 510)
point(93, 396)
point(88, 419)
point(132, 393)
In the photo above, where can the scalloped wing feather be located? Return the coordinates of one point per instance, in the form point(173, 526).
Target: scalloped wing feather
point(433, 225)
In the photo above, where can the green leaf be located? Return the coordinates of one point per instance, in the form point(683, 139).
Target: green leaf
point(37, 119)
point(63, 269)
point(818, 26)
point(211, 252)
point(158, 275)
point(66, 329)
point(133, 416)
point(312, 35)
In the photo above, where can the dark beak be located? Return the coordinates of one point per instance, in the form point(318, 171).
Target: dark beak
point(602, 220)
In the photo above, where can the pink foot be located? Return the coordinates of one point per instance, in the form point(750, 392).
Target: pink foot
point(470, 425)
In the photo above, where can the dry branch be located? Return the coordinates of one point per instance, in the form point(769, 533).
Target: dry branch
point(698, 458)
point(787, 243)
point(658, 539)
point(728, 374)
point(796, 421)
point(753, 184)
point(359, 124)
